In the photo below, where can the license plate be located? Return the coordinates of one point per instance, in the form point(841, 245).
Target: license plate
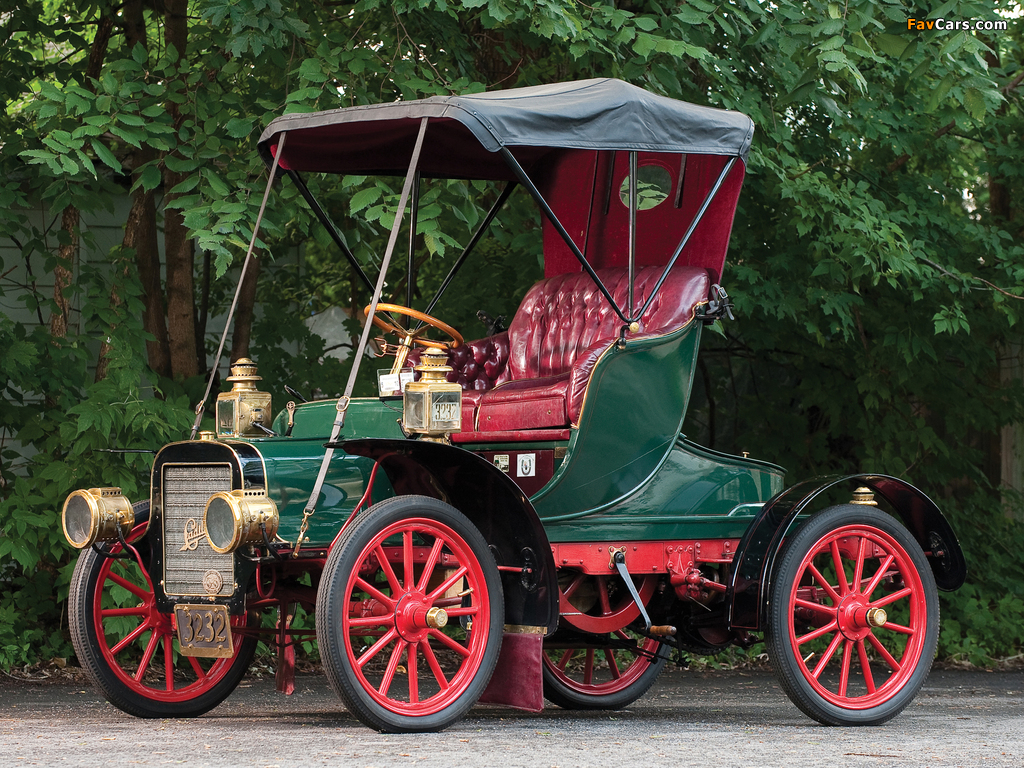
point(204, 630)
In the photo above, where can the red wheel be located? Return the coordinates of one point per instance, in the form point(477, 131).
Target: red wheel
point(410, 615)
point(609, 667)
point(854, 617)
point(130, 649)
point(607, 672)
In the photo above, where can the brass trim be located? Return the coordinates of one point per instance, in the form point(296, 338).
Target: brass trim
point(524, 629)
point(864, 496)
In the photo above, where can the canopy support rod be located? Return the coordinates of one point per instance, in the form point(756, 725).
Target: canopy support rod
point(414, 209)
point(686, 238)
point(633, 170)
point(590, 208)
point(345, 399)
point(528, 183)
point(321, 214)
point(201, 407)
point(497, 206)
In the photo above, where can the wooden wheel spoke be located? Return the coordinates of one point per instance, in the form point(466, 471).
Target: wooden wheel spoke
point(609, 656)
point(360, 622)
point(449, 642)
point(376, 648)
point(169, 662)
point(141, 610)
point(154, 640)
point(877, 578)
point(135, 589)
point(574, 585)
point(407, 560)
point(858, 568)
point(564, 661)
point(899, 628)
point(130, 638)
point(469, 610)
point(389, 673)
point(414, 683)
point(196, 667)
point(588, 667)
point(372, 591)
point(389, 572)
point(844, 671)
point(837, 561)
point(435, 667)
point(832, 626)
point(888, 599)
point(827, 656)
point(602, 594)
point(428, 567)
point(829, 589)
point(816, 607)
point(447, 584)
point(884, 653)
point(865, 666)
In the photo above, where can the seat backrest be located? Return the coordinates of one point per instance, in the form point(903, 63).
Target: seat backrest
point(562, 316)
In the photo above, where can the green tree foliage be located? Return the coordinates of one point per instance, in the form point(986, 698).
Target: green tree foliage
point(875, 263)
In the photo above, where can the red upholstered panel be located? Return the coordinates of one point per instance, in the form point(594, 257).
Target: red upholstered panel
point(563, 316)
point(576, 184)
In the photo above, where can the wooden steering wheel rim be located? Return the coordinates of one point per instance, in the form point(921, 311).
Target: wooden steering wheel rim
point(415, 314)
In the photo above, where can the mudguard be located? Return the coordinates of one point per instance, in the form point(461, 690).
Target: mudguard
point(759, 548)
point(495, 505)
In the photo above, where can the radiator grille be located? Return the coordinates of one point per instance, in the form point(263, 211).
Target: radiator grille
point(187, 554)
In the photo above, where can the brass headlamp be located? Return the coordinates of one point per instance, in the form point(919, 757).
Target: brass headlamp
point(239, 410)
point(432, 406)
point(95, 515)
point(232, 519)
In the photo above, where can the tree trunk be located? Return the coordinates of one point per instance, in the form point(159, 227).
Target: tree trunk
point(243, 313)
point(134, 228)
point(64, 272)
point(178, 248)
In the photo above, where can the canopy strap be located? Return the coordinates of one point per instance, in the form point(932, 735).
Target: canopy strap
point(201, 407)
point(346, 399)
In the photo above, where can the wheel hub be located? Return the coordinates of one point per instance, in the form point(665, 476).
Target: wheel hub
point(856, 618)
point(414, 617)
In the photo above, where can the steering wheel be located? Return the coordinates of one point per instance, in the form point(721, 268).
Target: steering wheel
point(414, 335)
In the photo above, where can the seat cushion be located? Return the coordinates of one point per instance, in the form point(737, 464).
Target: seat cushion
point(524, 404)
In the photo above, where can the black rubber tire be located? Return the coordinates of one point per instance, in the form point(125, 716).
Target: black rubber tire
point(333, 601)
point(559, 693)
point(96, 665)
point(790, 668)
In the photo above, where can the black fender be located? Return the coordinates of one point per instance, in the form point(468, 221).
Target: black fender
point(494, 504)
point(758, 550)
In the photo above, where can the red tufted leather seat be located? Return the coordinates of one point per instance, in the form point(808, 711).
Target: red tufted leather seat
point(534, 376)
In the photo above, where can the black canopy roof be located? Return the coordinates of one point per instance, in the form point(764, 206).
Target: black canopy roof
point(466, 131)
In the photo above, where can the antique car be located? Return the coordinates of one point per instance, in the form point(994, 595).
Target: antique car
point(517, 517)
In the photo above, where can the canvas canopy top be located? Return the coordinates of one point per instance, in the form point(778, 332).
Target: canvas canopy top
point(466, 131)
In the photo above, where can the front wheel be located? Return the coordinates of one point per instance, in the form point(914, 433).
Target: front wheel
point(853, 617)
point(130, 649)
point(409, 615)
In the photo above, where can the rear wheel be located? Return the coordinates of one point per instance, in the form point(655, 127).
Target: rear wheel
point(606, 666)
point(130, 649)
point(410, 615)
point(853, 617)
point(609, 672)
